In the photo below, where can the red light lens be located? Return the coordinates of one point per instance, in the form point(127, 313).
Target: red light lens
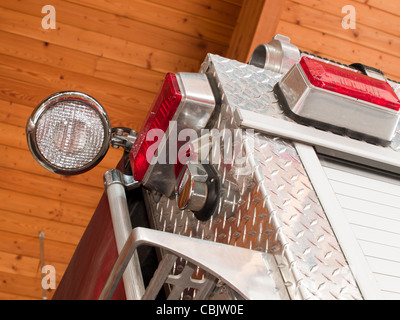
point(349, 83)
point(164, 107)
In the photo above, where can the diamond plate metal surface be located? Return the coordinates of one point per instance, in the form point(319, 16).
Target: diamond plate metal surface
point(240, 219)
point(268, 203)
point(311, 260)
point(250, 88)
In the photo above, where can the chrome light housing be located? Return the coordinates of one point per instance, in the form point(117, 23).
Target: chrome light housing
point(68, 133)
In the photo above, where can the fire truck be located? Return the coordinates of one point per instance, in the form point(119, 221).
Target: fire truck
point(247, 181)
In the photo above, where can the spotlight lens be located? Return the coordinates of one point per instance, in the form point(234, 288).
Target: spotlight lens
point(68, 133)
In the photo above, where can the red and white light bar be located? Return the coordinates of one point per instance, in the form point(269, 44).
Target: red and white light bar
point(339, 99)
point(185, 100)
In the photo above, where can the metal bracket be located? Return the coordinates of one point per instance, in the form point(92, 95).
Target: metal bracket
point(180, 282)
point(370, 71)
point(42, 262)
point(114, 176)
point(279, 55)
point(123, 137)
point(248, 272)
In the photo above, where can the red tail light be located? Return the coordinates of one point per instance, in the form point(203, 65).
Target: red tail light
point(164, 107)
point(349, 83)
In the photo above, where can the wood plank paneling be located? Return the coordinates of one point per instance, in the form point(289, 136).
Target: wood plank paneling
point(168, 18)
point(11, 284)
point(50, 209)
point(366, 14)
point(32, 226)
point(257, 24)
point(55, 189)
point(28, 245)
point(20, 159)
point(97, 43)
point(25, 266)
point(226, 13)
point(311, 18)
point(85, 16)
point(118, 52)
point(25, 93)
point(316, 26)
point(332, 47)
point(107, 93)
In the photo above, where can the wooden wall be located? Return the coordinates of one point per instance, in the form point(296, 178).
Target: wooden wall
point(118, 52)
point(316, 26)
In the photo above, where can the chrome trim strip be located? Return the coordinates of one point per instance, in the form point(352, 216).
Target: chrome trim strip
point(325, 142)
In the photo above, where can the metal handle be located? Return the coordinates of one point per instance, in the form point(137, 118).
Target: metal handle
point(115, 183)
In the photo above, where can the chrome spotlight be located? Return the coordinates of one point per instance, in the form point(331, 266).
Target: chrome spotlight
point(68, 133)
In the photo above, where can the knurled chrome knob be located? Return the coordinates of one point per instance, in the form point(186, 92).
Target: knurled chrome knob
point(192, 188)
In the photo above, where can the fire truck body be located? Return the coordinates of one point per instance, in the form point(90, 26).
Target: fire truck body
point(286, 200)
point(283, 210)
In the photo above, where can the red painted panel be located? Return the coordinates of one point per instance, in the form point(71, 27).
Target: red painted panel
point(92, 261)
